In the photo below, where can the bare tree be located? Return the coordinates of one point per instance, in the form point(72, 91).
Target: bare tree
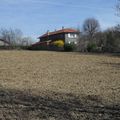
point(117, 29)
point(13, 36)
point(90, 27)
point(118, 8)
point(27, 41)
point(112, 39)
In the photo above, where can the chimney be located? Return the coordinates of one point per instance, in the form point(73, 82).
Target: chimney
point(62, 27)
point(48, 32)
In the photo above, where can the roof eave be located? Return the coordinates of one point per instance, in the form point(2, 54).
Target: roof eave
point(56, 34)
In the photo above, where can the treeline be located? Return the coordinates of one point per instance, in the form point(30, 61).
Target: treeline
point(92, 39)
point(14, 39)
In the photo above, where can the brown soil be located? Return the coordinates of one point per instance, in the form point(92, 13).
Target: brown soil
point(59, 86)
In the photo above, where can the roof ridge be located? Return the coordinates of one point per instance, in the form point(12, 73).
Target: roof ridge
point(65, 30)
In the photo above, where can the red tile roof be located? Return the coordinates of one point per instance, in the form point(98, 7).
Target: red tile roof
point(67, 30)
point(41, 43)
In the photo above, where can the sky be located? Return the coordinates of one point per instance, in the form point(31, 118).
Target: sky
point(35, 17)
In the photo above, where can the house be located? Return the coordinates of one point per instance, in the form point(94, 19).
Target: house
point(4, 43)
point(68, 35)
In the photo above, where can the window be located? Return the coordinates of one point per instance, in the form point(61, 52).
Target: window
point(72, 35)
point(75, 42)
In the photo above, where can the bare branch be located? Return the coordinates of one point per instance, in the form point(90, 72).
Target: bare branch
point(91, 26)
point(118, 8)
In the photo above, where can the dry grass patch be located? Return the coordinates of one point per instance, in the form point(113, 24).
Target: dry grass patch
point(61, 72)
point(58, 75)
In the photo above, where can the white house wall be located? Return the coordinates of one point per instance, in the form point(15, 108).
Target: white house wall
point(69, 38)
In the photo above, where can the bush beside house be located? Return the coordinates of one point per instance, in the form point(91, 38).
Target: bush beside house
point(48, 45)
point(58, 43)
point(69, 47)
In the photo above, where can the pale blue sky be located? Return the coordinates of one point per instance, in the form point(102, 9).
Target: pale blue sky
point(35, 17)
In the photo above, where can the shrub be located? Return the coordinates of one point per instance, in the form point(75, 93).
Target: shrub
point(92, 47)
point(37, 48)
point(24, 47)
point(58, 43)
point(69, 47)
